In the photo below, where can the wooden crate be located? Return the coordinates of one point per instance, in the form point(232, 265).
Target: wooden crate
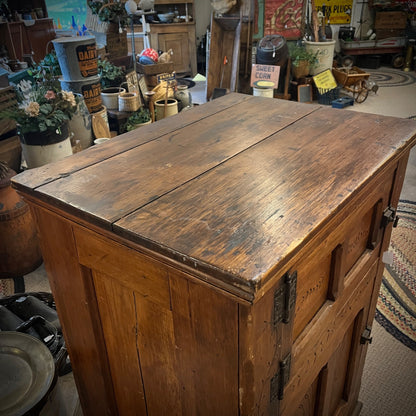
point(390, 20)
point(389, 33)
point(116, 44)
point(7, 101)
point(11, 152)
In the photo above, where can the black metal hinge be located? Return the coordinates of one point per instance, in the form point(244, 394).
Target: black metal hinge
point(389, 215)
point(280, 379)
point(285, 299)
point(366, 336)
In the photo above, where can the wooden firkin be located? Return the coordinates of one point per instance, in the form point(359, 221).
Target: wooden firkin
point(224, 261)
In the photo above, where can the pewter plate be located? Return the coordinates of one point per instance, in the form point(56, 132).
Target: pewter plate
point(26, 372)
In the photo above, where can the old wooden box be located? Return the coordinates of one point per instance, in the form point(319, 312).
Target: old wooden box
point(224, 261)
point(390, 20)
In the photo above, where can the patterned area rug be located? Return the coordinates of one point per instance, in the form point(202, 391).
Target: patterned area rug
point(389, 77)
point(396, 307)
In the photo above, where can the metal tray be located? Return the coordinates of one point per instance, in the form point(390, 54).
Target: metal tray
point(27, 371)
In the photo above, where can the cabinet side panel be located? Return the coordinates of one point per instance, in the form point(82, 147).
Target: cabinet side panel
point(206, 342)
point(74, 295)
point(260, 343)
point(117, 311)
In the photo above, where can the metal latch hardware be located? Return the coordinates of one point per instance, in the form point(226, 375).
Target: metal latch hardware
point(366, 336)
point(280, 379)
point(285, 299)
point(389, 215)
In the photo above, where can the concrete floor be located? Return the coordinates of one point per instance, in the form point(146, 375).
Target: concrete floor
point(404, 99)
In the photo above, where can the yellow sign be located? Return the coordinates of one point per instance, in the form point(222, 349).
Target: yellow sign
point(325, 81)
point(338, 11)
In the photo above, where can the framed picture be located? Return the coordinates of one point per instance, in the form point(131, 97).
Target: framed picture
point(132, 82)
point(143, 88)
point(305, 93)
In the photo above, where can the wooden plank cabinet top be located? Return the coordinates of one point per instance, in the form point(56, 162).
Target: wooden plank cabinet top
point(233, 188)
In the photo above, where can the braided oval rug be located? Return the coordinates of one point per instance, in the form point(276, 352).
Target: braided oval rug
point(396, 306)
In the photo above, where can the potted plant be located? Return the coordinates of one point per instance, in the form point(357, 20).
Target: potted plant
point(42, 121)
point(111, 77)
point(302, 60)
point(112, 14)
point(138, 119)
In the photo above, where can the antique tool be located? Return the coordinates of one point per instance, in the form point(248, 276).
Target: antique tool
point(315, 23)
point(219, 92)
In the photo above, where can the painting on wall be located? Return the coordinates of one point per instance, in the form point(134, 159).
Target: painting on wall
point(62, 12)
point(284, 17)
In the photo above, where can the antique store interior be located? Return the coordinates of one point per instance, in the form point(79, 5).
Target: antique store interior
point(77, 78)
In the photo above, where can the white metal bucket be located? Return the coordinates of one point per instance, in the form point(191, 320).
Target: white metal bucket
point(263, 92)
point(77, 56)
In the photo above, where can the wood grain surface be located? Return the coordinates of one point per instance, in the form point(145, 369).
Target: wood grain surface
point(247, 178)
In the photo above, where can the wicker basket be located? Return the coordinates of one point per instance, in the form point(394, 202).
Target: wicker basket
point(155, 69)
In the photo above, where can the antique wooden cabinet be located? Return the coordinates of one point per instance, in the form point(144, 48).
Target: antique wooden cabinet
point(180, 37)
point(224, 261)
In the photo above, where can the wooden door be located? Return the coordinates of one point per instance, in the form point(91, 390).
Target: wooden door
point(178, 42)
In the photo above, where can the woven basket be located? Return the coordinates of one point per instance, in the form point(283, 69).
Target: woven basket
point(128, 101)
point(160, 91)
point(155, 69)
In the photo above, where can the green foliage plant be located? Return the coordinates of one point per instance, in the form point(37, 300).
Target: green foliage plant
point(299, 53)
point(110, 11)
point(110, 74)
point(138, 117)
point(47, 71)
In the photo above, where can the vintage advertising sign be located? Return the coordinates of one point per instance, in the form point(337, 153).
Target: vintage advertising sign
point(264, 76)
point(284, 17)
point(166, 77)
point(339, 11)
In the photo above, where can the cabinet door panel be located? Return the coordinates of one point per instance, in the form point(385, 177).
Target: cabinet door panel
point(332, 339)
point(178, 42)
point(323, 274)
point(117, 310)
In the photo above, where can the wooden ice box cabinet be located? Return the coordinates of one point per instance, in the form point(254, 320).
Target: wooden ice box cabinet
point(223, 261)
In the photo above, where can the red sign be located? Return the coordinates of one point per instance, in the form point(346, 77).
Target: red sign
point(283, 17)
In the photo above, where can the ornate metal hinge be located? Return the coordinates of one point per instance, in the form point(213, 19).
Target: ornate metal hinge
point(285, 299)
point(389, 215)
point(280, 379)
